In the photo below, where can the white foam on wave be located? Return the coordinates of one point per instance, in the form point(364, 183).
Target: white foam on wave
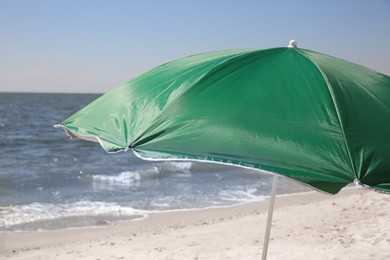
point(178, 166)
point(248, 195)
point(124, 179)
point(133, 178)
point(16, 215)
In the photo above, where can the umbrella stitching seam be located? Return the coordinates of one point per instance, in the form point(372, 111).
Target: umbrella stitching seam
point(372, 188)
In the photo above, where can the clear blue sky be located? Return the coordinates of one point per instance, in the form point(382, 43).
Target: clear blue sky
point(93, 46)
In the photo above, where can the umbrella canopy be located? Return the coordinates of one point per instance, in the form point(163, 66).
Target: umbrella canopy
point(302, 114)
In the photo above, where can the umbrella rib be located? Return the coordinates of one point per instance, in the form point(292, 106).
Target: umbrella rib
point(335, 107)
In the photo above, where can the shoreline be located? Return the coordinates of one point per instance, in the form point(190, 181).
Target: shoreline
point(354, 223)
point(96, 221)
point(139, 214)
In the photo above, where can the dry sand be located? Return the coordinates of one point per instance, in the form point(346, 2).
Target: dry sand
point(355, 224)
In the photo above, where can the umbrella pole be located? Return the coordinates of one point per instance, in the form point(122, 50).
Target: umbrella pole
point(269, 218)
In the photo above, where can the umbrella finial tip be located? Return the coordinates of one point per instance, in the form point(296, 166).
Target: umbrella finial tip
point(293, 44)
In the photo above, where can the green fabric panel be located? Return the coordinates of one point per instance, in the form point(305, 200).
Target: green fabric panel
point(363, 99)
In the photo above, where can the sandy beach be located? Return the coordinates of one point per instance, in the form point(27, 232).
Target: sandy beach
point(351, 225)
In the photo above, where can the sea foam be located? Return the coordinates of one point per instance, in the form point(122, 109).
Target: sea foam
point(124, 179)
point(46, 212)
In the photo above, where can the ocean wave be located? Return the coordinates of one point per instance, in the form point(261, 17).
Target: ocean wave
point(243, 195)
point(46, 212)
point(124, 179)
point(132, 179)
point(176, 166)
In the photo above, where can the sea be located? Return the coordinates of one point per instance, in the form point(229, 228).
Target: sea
point(48, 181)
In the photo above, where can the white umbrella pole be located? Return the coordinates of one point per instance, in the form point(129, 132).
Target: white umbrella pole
point(269, 218)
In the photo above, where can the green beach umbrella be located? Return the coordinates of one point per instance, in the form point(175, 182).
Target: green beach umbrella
point(311, 117)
